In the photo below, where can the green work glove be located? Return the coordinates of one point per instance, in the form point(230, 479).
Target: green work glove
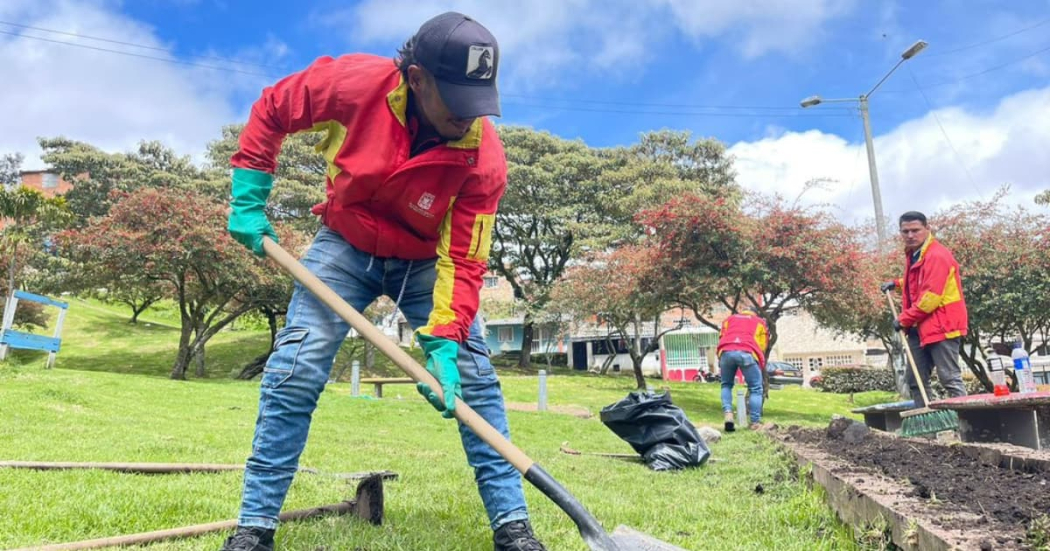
point(248, 223)
point(441, 363)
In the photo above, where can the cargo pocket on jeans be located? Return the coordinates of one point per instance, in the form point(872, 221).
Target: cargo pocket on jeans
point(286, 351)
point(479, 354)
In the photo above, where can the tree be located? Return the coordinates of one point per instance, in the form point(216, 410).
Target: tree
point(768, 256)
point(29, 218)
point(132, 290)
point(547, 211)
point(11, 169)
point(97, 174)
point(299, 182)
point(178, 238)
point(861, 309)
point(565, 199)
point(609, 288)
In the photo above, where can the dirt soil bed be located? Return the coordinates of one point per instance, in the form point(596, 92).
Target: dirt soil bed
point(942, 475)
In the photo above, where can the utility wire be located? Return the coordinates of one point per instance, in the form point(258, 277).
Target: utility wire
point(143, 56)
point(989, 41)
point(676, 113)
point(671, 105)
point(574, 108)
point(979, 73)
point(134, 45)
point(933, 112)
point(588, 101)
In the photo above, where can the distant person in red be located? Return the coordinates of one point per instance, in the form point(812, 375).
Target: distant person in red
point(742, 346)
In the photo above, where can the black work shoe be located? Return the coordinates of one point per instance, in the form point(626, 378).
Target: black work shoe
point(516, 535)
point(249, 538)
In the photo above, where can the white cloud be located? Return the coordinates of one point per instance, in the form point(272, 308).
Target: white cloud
point(550, 41)
point(109, 100)
point(917, 168)
point(763, 26)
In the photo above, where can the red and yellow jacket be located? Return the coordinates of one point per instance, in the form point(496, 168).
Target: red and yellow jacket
point(744, 332)
point(440, 203)
point(932, 294)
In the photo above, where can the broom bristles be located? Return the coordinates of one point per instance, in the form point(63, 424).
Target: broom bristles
point(930, 422)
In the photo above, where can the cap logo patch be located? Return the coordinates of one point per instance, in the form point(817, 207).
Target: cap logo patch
point(480, 62)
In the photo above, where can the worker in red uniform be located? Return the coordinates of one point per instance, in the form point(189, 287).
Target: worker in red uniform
point(933, 309)
point(415, 174)
point(742, 347)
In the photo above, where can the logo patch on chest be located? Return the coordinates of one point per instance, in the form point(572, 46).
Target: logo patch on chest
point(422, 206)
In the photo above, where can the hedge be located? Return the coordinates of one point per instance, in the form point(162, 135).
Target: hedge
point(844, 380)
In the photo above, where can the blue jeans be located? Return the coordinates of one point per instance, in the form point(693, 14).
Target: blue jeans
point(729, 363)
point(298, 369)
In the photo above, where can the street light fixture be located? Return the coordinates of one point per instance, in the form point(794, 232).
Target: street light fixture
point(876, 195)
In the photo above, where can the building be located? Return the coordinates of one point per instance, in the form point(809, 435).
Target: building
point(803, 343)
point(48, 182)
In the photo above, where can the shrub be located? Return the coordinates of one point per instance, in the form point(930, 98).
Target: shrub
point(844, 380)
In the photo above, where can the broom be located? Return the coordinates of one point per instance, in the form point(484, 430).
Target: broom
point(921, 421)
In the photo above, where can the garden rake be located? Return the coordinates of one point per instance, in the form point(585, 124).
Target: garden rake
point(921, 421)
point(597, 539)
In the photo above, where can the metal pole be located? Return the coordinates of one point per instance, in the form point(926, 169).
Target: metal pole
point(741, 408)
point(876, 195)
point(542, 406)
point(355, 378)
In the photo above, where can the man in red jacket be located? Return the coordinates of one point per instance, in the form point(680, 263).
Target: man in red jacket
point(742, 346)
point(932, 306)
point(415, 173)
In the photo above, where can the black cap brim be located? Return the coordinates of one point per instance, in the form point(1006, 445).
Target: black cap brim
point(470, 101)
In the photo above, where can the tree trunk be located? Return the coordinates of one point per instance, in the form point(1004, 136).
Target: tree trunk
point(198, 358)
point(525, 358)
point(370, 356)
point(271, 320)
point(182, 360)
point(137, 309)
point(639, 379)
point(772, 325)
point(970, 358)
point(253, 369)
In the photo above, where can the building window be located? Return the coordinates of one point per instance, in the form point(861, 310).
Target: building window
point(795, 361)
point(50, 180)
point(491, 282)
point(838, 360)
point(537, 339)
point(506, 334)
point(816, 363)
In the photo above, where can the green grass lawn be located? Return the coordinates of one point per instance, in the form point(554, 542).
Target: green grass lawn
point(109, 400)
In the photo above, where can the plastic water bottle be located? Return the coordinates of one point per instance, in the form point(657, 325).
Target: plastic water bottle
point(996, 370)
point(1023, 369)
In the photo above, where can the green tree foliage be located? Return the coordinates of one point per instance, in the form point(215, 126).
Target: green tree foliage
point(178, 238)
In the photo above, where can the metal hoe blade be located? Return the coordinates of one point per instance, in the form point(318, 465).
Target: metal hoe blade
point(627, 539)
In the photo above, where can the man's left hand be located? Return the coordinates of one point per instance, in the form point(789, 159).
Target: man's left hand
point(897, 325)
point(441, 363)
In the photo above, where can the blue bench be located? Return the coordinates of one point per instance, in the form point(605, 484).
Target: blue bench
point(9, 338)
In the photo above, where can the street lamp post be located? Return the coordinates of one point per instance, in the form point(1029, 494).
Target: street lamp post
point(876, 194)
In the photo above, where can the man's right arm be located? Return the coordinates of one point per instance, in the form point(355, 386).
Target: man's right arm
point(296, 103)
point(302, 101)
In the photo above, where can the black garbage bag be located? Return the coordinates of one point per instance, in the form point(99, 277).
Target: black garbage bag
point(658, 430)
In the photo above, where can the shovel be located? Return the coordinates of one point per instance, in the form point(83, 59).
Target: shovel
point(622, 539)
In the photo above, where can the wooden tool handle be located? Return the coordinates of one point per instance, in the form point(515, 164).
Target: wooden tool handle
point(907, 350)
point(370, 333)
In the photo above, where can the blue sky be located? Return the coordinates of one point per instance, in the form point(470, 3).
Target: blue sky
point(953, 123)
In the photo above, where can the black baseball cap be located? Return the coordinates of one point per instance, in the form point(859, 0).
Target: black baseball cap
point(463, 57)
